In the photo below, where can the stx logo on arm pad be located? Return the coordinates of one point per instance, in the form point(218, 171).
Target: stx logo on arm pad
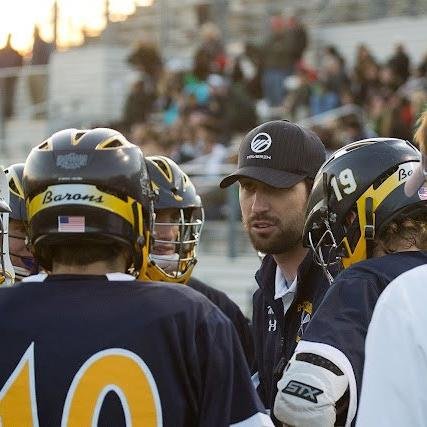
point(304, 391)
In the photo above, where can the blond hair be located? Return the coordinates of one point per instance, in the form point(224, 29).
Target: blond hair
point(420, 136)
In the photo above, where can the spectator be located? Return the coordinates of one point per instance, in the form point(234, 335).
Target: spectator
point(397, 118)
point(138, 105)
point(212, 48)
point(9, 57)
point(297, 103)
point(365, 75)
point(241, 106)
point(278, 61)
point(400, 64)
point(332, 69)
point(38, 81)
point(298, 38)
point(146, 58)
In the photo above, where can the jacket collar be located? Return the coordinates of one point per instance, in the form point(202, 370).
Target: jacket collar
point(266, 274)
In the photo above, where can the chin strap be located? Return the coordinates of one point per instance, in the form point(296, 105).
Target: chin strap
point(370, 226)
point(169, 263)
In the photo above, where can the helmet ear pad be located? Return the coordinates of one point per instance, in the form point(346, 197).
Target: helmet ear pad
point(16, 193)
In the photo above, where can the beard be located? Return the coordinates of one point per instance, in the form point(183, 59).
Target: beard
point(287, 237)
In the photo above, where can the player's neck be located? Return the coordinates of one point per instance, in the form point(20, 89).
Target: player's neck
point(400, 247)
point(289, 262)
point(97, 268)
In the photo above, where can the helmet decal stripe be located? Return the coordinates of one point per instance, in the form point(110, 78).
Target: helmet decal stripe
point(80, 194)
point(378, 195)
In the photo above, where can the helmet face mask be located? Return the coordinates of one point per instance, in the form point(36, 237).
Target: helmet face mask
point(356, 192)
point(23, 261)
point(88, 185)
point(7, 273)
point(183, 232)
point(178, 223)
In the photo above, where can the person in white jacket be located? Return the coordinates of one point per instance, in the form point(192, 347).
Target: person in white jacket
point(396, 356)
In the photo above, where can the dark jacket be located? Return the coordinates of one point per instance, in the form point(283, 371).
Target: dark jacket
point(276, 335)
point(232, 311)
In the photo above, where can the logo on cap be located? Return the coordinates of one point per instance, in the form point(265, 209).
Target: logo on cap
point(422, 193)
point(261, 142)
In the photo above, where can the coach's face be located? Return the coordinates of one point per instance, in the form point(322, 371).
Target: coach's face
point(273, 217)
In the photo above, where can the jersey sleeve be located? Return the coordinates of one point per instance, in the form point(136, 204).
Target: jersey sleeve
point(233, 312)
point(229, 397)
point(243, 329)
point(338, 330)
point(395, 364)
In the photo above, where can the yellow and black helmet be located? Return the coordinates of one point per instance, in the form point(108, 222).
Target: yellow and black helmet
point(18, 213)
point(88, 185)
point(174, 190)
point(363, 181)
point(16, 193)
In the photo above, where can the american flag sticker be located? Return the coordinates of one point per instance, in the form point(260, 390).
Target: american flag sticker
point(71, 224)
point(422, 193)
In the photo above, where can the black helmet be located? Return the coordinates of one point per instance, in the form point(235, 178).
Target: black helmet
point(174, 190)
point(16, 193)
point(364, 178)
point(91, 185)
point(17, 205)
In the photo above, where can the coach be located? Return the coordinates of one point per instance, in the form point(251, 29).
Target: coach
point(278, 161)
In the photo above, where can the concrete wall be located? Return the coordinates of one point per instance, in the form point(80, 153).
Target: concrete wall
point(88, 85)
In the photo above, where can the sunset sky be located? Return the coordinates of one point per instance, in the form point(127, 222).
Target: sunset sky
point(18, 17)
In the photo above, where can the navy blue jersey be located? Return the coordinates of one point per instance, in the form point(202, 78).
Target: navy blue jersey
point(338, 329)
point(232, 311)
point(83, 348)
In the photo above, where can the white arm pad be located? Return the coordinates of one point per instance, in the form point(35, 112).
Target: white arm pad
point(307, 394)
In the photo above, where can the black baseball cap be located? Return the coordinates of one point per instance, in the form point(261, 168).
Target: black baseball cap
point(278, 153)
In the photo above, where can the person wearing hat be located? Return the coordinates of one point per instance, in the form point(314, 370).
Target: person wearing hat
point(277, 163)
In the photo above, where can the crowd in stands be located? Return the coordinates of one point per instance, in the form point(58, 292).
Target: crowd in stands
point(197, 112)
point(191, 113)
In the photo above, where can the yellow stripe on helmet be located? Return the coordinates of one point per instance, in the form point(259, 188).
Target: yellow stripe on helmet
point(378, 195)
point(80, 194)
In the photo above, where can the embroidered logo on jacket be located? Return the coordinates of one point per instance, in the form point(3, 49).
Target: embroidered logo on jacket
point(306, 310)
point(272, 322)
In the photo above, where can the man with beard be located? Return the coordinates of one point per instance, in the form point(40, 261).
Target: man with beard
point(278, 161)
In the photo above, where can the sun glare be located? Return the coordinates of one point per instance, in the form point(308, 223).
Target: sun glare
point(18, 17)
